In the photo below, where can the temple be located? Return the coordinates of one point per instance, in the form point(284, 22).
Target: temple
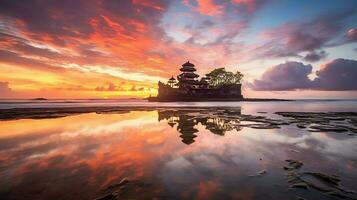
point(188, 87)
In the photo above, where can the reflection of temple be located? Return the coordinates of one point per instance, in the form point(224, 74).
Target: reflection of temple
point(186, 128)
point(186, 120)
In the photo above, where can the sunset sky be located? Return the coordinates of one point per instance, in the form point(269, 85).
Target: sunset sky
point(122, 48)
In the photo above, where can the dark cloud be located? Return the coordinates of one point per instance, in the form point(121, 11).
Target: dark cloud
point(293, 38)
point(16, 59)
point(287, 76)
point(338, 75)
point(65, 17)
point(315, 56)
point(23, 46)
point(205, 24)
point(31, 50)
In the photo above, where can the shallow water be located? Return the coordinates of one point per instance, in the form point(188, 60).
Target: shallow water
point(171, 154)
point(273, 106)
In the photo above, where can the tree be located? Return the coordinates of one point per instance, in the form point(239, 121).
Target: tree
point(220, 77)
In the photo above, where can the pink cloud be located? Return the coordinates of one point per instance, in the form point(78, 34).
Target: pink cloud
point(186, 3)
point(209, 7)
point(352, 34)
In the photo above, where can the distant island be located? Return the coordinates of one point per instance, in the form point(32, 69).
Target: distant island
point(218, 85)
point(40, 99)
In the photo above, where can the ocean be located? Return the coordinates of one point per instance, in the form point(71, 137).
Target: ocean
point(320, 105)
point(134, 149)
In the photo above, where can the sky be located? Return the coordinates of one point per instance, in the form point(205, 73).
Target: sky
point(62, 49)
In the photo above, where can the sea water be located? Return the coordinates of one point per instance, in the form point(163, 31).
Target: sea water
point(169, 154)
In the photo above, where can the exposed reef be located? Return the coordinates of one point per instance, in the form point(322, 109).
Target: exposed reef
point(329, 185)
point(323, 122)
point(229, 118)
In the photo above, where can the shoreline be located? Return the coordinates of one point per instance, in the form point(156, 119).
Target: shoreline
point(58, 112)
point(196, 99)
point(310, 121)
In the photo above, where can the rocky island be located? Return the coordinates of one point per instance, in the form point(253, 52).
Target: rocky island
point(218, 85)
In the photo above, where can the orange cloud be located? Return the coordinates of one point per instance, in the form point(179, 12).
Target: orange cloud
point(107, 42)
point(53, 48)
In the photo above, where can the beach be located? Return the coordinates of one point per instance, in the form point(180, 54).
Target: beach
point(130, 149)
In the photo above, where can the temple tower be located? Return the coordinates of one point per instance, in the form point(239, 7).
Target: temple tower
point(172, 82)
point(187, 79)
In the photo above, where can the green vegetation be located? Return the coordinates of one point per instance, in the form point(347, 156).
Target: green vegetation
point(220, 77)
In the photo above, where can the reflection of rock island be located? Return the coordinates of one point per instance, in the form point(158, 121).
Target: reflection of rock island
point(186, 120)
point(220, 120)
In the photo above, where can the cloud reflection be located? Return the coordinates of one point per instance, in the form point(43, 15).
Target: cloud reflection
point(75, 157)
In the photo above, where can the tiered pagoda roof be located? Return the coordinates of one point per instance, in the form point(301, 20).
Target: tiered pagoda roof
point(188, 64)
point(189, 75)
point(188, 67)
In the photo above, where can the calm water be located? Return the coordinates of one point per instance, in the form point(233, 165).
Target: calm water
point(165, 154)
point(299, 105)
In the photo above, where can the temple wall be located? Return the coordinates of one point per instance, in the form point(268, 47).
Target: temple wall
point(234, 91)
